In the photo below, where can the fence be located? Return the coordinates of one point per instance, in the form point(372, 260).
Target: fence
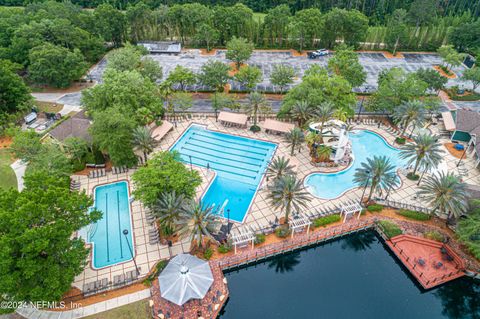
point(400, 205)
point(419, 272)
point(298, 242)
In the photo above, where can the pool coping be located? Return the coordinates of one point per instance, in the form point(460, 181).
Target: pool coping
point(211, 182)
point(348, 167)
point(134, 246)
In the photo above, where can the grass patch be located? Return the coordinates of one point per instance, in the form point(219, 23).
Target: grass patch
point(323, 221)
point(135, 310)
point(375, 208)
point(390, 229)
point(48, 107)
point(434, 235)
point(413, 214)
point(400, 140)
point(468, 95)
point(8, 178)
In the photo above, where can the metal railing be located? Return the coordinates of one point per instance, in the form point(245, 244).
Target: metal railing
point(297, 242)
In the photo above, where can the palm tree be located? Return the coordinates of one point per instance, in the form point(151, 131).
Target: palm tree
point(301, 112)
point(143, 140)
point(376, 172)
point(288, 193)
point(445, 193)
point(408, 112)
point(197, 222)
point(168, 208)
point(425, 152)
point(280, 166)
point(324, 153)
point(256, 100)
point(294, 139)
point(323, 114)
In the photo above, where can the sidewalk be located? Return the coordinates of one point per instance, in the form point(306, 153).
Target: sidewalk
point(33, 313)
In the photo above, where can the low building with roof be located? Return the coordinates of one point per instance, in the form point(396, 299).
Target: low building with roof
point(75, 126)
point(465, 127)
point(162, 47)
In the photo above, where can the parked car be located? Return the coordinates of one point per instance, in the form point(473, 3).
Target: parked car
point(318, 53)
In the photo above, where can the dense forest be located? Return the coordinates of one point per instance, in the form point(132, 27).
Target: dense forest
point(374, 9)
point(421, 26)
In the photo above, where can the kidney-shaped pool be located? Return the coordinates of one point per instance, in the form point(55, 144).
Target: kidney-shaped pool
point(364, 144)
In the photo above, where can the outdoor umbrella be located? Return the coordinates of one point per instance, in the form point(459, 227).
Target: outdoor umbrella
point(185, 277)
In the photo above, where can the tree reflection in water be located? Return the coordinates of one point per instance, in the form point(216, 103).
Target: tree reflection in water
point(460, 298)
point(359, 241)
point(285, 263)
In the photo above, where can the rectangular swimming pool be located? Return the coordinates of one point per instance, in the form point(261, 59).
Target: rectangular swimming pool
point(239, 163)
point(110, 245)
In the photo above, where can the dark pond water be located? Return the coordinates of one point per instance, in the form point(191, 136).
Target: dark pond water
point(353, 277)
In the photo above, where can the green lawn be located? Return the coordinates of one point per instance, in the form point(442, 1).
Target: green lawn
point(7, 175)
point(136, 310)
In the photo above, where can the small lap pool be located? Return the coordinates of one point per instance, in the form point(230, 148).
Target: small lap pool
point(110, 245)
point(239, 163)
point(365, 144)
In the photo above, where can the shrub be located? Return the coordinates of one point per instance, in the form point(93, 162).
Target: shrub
point(413, 177)
point(224, 248)
point(153, 275)
point(207, 254)
point(259, 239)
point(78, 165)
point(400, 140)
point(434, 235)
point(255, 128)
point(413, 214)
point(282, 231)
point(323, 221)
point(375, 208)
point(390, 229)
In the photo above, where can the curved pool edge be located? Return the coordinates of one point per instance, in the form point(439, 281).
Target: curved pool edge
point(348, 167)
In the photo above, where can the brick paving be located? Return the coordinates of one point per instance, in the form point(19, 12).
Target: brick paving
point(261, 213)
point(209, 307)
point(425, 260)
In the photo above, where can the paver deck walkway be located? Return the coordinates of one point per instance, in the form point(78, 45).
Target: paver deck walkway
point(33, 313)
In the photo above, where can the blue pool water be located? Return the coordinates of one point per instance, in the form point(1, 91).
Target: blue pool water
point(364, 144)
point(109, 243)
point(239, 164)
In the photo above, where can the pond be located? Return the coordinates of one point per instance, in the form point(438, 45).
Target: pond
point(353, 277)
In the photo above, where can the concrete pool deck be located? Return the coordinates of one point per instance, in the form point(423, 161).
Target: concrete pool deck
point(146, 255)
point(261, 213)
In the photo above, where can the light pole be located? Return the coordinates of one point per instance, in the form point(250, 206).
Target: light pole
point(360, 109)
point(228, 221)
point(365, 187)
point(125, 232)
point(463, 154)
point(191, 167)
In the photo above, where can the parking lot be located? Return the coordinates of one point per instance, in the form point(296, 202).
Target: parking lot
point(373, 64)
